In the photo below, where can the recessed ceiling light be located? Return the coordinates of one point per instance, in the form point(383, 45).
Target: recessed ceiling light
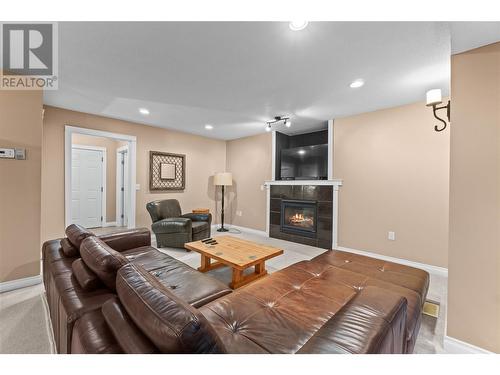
point(301, 152)
point(297, 25)
point(144, 111)
point(208, 127)
point(357, 83)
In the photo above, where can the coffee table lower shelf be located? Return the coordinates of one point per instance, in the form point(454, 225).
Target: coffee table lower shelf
point(239, 279)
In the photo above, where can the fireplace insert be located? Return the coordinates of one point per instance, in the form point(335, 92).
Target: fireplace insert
point(299, 217)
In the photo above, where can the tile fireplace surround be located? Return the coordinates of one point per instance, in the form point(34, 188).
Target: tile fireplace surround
point(323, 194)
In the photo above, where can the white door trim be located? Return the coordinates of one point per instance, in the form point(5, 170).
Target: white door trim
point(132, 154)
point(103, 178)
point(273, 156)
point(330, 149)
point(119, 220)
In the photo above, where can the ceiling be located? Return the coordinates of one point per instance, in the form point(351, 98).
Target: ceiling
point(237, 75)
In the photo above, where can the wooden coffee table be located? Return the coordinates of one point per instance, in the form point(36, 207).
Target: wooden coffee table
point(235, 253)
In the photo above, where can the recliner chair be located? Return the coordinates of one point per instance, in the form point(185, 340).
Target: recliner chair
point(172, 229)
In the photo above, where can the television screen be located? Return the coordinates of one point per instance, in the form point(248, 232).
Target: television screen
point(305, 163)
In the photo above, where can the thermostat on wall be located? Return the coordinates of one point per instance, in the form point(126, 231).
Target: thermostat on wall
point(7, 153)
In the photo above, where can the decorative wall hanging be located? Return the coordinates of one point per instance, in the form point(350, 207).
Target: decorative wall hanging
point(166, 171)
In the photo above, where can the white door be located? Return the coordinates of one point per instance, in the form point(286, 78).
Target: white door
point(86, 187)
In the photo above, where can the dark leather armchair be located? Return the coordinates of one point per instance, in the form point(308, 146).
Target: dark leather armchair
point(172, 229)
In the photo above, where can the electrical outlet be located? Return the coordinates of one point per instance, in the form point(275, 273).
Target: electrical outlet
point(239, 213)
point(391, 236)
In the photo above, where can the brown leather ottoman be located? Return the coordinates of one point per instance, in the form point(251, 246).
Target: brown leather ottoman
point(283, 312)
point(407, 277)
point(412, 283)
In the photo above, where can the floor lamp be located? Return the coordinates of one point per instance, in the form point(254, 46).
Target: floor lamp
point(223, 179)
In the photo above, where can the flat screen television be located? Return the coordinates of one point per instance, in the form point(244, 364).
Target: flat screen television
point(305, 163)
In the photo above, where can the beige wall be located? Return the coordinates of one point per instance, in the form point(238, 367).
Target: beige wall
point(20, 127)
point(395, 172)
point(474, 255)
point(111, 146)
point(249, 160)
point(204, 157)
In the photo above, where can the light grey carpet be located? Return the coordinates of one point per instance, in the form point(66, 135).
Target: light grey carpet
point(24, 324)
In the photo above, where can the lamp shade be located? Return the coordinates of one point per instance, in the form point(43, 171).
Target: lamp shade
point(223, 179)
point(434, 97)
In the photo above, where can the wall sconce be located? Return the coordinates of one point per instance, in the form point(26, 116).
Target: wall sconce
point(433, 99)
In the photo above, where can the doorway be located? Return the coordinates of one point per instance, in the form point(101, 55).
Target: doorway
point(86, 177)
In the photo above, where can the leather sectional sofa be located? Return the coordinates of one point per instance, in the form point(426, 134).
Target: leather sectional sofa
point(74, 289)
point(117, 294)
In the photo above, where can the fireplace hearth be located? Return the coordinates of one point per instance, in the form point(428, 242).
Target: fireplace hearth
point(299, 217)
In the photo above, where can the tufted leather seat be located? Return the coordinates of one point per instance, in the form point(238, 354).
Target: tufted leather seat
point(372, 322)
point(407, 277)
point(337, 302)
point(399, 278)
point(282, 312)
point(305, 308)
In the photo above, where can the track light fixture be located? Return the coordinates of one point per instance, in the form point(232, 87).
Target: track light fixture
point(285, 119)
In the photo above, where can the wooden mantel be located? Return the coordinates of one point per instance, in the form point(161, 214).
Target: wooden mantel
point(335, 182)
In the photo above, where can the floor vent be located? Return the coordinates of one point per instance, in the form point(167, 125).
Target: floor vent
point(431, 308)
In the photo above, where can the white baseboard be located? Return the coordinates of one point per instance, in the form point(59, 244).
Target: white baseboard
point(250, 230)
point(435, 270)
point(109, 224)
point(454, 346)
point(243, 229)
point(7, 286)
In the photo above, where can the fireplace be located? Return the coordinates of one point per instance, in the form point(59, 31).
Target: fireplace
point(319, 198)
point(299, 217)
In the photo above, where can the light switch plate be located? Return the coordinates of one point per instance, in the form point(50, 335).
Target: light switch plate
point(391, 236)
point(20, 153)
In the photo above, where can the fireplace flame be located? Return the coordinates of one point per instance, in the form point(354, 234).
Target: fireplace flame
point(297, 218)
point(301, 219)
